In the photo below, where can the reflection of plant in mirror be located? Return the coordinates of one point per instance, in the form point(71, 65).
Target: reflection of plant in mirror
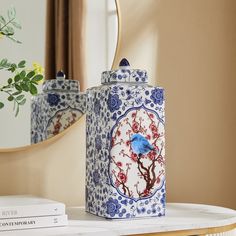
point(23, 80)
point(7, 25)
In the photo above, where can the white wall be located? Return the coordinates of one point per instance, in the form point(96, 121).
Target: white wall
point(101, 39)
point(31, 14)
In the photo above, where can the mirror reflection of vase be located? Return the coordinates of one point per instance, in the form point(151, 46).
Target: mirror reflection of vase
point(58, 107)
point(101, 34)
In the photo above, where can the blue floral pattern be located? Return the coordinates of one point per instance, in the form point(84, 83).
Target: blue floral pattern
point(113, 102)
point(61, 84)
point(157, 96)
point(112, 207)
point(163, 199)
point(53, 99)
point(124, 75)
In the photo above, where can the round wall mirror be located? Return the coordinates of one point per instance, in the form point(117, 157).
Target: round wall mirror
point(101, 40)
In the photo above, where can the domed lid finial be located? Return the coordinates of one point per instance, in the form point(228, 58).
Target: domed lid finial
point(124, 63)
point(60, 75)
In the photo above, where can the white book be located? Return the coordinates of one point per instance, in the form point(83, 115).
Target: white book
point(33, 222)
point(28, 206)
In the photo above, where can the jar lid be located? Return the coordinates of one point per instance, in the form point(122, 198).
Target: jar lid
point(61, 84)
point(124, 74)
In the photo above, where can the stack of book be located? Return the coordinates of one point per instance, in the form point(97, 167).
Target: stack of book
point(27, 212)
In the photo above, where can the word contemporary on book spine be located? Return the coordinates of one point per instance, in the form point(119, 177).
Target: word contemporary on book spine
point(33, 222)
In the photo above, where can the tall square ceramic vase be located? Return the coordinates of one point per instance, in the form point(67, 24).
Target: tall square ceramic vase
point(125, 157)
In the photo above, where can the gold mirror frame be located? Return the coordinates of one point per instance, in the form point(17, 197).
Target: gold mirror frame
point(53, 139)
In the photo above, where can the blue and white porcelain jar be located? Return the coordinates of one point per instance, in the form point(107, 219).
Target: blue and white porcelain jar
point(125, 156)
point(56, 108)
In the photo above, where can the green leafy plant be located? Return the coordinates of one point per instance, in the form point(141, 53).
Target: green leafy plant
point(23, 80)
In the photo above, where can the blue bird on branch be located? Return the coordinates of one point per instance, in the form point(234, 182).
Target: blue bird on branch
point(140, 145)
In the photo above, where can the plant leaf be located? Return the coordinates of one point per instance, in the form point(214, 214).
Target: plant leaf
point(18, 98)
point(33, 89)
point(16, 93)
point(34, 82)
point(13, 39)
point(12, 67)
point(25, 87)
point(23, 74)
point(11, 13)
point(30, 74)
point(2, 20)
point(16, 24)
point(9, 81)
point(1, 105)
point(26, 80)
point(17, 78)
point(3, 62)
point(17, 110)
point(10, 30)
point(37, 78)
point(18, 87)
point(10, 98)
point(22, 102)
point(21, 64)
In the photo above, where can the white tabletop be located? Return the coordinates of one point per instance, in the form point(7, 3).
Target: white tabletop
point(179, 216)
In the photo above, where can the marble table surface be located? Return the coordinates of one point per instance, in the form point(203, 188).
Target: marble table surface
point(179, 216)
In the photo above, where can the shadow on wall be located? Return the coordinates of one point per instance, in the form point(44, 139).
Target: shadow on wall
point(197, 66)
point(189, 48)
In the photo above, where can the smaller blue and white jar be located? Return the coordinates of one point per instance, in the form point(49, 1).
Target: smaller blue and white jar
point(55, 109)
